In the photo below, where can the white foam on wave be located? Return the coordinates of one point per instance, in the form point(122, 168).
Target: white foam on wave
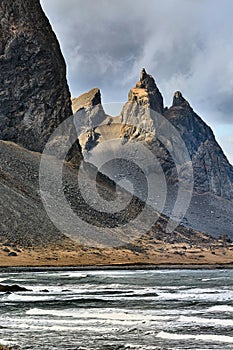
point(93, 329)
point(213, 278)
point(198, 294)
point(220, 308)
point(111, 314)
point(201, 337)
point(74, 274)
point(59, 313)
point(28, 297)
point(40, 326)
point(197, 348)
point(206, 321)
point(45, 288)
point(138, 346)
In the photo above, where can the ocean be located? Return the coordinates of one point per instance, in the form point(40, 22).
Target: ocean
point(118, 309)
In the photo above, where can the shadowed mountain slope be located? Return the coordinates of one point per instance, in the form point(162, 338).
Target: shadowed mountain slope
point(35, 97)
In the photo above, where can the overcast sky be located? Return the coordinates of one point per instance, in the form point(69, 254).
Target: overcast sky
point(186, 45)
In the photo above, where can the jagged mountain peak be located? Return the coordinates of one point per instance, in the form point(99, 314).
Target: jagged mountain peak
point(88, 99)
point(212, 171)
point(179, 100)
point(146, 81)
point(146, 93)
point(88, 114)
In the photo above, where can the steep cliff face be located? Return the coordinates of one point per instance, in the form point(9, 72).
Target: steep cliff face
point(35, 96)
point(88, 115)
point(212, 171)
point(145, 95)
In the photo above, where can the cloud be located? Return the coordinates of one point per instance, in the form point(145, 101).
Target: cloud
point(185, 44)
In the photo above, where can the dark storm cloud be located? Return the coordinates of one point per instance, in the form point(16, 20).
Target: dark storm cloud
point(185, 44)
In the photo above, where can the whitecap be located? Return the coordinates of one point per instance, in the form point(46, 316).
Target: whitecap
point(28, 298)
point(108, 315)
point(220, 308)
point(74, 274)
point(198, 294)
point(201, 337)
point(214, 278)
point(206, 321)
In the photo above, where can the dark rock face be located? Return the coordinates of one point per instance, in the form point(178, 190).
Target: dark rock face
point(12, 289)
point(155, 99)
point(179, 100)
point(212, 171)
point(35, 97)
point(24, 221)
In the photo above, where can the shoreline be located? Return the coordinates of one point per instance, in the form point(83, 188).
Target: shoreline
point(122, 267)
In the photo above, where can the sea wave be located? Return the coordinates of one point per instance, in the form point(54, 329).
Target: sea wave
point(199, 337)
point(220, 308)
point(108, 314)
point(206, 321)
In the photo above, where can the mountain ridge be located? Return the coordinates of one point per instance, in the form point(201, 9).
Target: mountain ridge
point(213, 174)
point(209, 162)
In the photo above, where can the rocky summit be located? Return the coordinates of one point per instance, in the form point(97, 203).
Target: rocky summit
point(141, 120)
point(212, 171)
point(89, 114)
point(146, 93)
point(35, 97)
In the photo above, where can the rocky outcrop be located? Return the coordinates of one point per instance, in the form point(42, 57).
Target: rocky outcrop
point(34, 94)
point(140, 121)
point(144, 96)
point(212, 171)
point(87, 100)
point(142, 118)
point(12, 289)
point(89, 114)
point(146, 93)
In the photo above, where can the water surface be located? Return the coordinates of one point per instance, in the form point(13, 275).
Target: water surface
point(119, 309)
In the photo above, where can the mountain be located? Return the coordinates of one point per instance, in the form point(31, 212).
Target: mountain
point(172, 134)
point(212, 171)
point(86, 215)
point(35, 97)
